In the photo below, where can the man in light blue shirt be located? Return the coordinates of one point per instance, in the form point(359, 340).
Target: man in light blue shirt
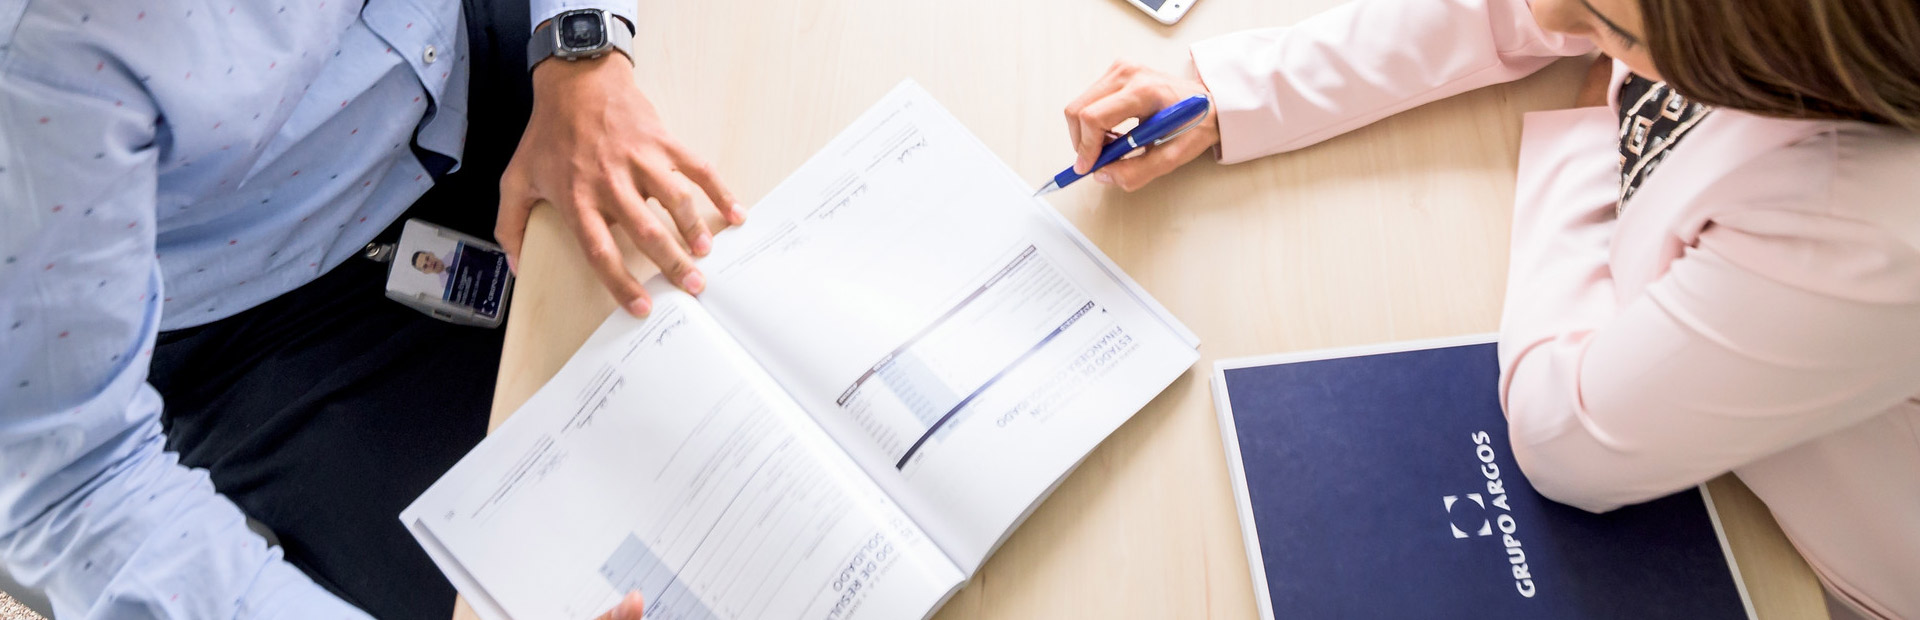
point(184, 189)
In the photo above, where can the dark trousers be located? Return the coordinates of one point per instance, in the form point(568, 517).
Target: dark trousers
point(324, 412)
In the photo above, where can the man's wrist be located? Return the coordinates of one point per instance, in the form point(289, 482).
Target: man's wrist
point(557, 72)
point(555, 67)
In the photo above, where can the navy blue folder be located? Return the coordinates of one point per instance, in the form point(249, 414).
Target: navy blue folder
point(1367, 490)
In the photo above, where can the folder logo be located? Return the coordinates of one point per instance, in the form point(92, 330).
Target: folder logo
point(1486, 526)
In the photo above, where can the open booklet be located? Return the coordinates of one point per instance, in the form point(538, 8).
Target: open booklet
point(895, 360)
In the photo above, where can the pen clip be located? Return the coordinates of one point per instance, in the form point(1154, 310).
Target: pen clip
point(1190, 124)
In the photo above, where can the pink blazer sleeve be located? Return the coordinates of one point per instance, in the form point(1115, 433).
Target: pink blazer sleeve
point(1791, 316)
point(1280, 89)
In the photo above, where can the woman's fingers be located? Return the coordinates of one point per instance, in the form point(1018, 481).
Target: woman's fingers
point(1129, 91)
point(1135, 172)
point(1109, 83)
point(1105, 114)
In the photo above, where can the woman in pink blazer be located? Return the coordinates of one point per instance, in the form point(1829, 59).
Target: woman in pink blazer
point(1752, 306)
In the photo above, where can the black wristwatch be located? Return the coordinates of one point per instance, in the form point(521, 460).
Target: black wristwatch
point(579, 34)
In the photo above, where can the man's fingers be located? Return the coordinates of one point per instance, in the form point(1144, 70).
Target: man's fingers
point(1134, 173)
point(604, 256)
point(510, 226)
point(703, 174)
point(657, 242)
point(681, 198)
point(629, 608)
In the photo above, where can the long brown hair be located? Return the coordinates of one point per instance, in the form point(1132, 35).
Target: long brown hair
point(1841, 59)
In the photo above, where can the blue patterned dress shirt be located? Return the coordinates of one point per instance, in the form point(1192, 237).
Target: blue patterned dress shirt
point(164, 165)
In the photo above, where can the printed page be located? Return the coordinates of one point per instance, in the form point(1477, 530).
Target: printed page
point(949, 330)
point(662, 459)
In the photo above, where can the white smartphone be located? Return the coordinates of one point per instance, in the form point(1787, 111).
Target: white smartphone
point(1165, 11)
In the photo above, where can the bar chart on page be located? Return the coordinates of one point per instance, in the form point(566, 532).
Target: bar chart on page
point(920, 389)
point(634, 568)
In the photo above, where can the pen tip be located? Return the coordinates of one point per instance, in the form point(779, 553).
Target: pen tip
point(1047, 189)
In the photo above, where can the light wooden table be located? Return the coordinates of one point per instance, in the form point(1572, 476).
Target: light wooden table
point(1396, 231)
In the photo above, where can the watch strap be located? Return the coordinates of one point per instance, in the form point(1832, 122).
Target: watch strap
point(619, 35)
point(542, 44)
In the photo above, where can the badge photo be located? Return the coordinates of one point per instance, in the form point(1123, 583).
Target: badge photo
point(451, 276)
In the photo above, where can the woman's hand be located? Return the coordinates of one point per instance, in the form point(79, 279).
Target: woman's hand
point(629, 608)
point(1130, 91)
point(596, 149)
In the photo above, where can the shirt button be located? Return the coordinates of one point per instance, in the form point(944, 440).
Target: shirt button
point(430, 55)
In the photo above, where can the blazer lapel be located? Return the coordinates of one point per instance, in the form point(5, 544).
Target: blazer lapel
point(1676, 202)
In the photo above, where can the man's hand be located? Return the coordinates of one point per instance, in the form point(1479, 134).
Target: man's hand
point(1130, 91)
point(628, 608)
point(597, 150)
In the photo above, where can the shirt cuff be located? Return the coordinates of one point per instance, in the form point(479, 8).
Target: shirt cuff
point(1243, 101)
point(543, 10)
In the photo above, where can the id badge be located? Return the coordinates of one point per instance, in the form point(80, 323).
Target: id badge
point(450, 276)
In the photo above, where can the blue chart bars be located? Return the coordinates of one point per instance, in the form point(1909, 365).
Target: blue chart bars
point(930, 378)
point(634, 568)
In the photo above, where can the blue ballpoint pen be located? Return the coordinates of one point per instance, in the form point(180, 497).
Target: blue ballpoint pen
point(1157, 129)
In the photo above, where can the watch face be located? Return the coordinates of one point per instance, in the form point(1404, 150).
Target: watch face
point(582, 31)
